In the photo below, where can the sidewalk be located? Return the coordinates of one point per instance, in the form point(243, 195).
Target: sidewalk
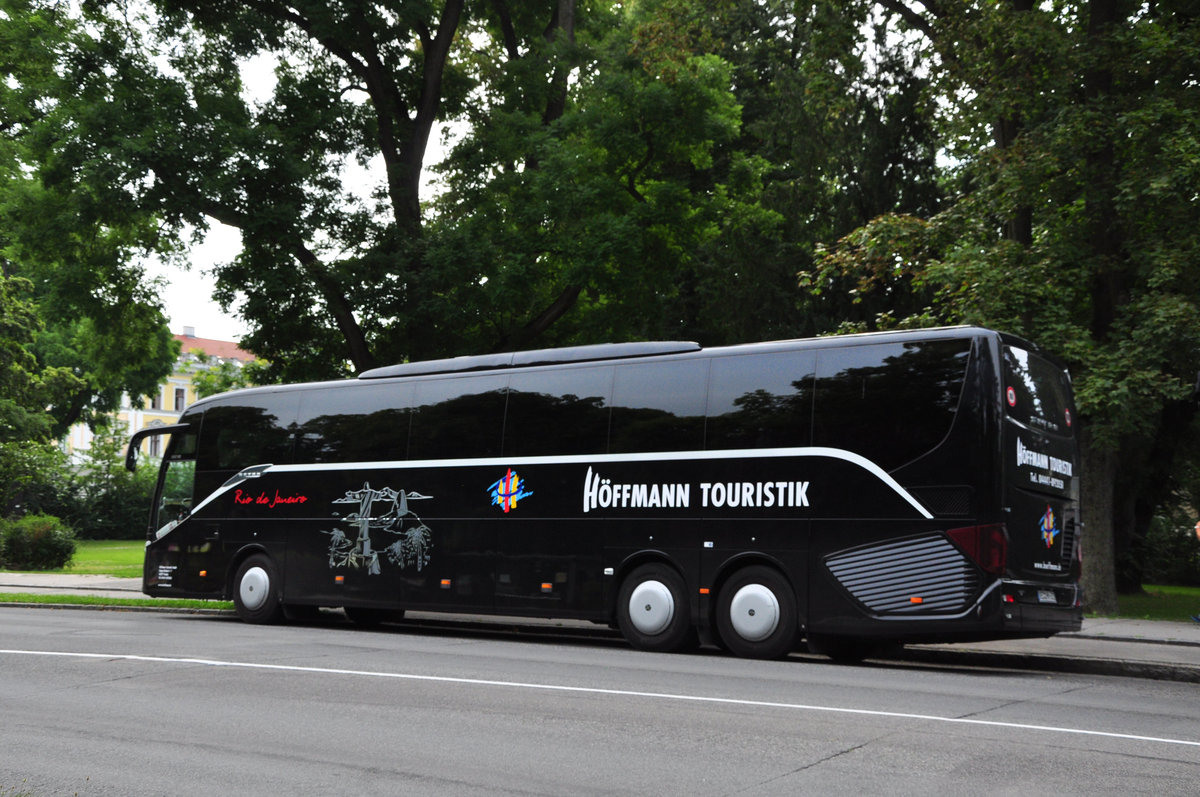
point(1104, 646)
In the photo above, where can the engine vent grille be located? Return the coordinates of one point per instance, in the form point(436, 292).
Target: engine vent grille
point(1070, 539)
point(918, 575)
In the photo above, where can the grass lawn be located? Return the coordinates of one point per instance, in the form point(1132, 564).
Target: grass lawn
point(107, 558)
point(1179, 604)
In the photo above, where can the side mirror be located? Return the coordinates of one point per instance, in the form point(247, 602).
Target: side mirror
point(135, 442)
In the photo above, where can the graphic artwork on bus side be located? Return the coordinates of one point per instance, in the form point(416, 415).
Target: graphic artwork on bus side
point(414, 540)
point(508, 490)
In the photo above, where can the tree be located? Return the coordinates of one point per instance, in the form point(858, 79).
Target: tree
point(211, 378)
point(1073, 222)
point(94, 325)
point(623, 170)
point(701, 154)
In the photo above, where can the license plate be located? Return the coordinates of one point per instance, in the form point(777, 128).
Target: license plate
point(1046, 596)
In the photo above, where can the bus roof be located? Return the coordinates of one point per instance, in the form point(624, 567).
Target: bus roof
point(625, 351)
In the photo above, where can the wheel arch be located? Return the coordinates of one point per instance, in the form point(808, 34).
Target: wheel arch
point(242, 554)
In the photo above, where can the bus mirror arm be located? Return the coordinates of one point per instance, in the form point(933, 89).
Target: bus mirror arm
point(135, 442)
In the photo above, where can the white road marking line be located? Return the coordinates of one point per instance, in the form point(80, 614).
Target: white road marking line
point(598, 691)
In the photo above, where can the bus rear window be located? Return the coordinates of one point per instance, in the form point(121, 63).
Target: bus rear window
point(1036, 392)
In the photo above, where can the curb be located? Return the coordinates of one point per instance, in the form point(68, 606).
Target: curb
point(1078, 665)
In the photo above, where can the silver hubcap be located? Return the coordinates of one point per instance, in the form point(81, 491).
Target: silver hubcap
point(651, 607)
point(754, 612)
point(253, 589)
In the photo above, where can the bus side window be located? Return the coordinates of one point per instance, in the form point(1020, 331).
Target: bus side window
point(659, 406)
point(352, 422)
point(256, 432)
point(889, 402)
point(558, 411)
point(761, 400)
point(458, 417)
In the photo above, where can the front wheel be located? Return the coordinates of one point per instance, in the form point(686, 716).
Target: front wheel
point(756, 614)
point(256, 591)
point(652, 609)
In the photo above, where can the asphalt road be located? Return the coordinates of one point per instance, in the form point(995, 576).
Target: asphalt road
point(114, 703)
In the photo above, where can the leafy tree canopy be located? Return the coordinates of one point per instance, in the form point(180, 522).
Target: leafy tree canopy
point(71, 228)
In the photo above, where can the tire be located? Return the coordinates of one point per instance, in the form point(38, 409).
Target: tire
point(653, 612)
point(256, 591)
point(756, 614)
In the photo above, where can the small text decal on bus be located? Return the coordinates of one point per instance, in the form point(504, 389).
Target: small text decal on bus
point(1027, 456)
point(241, 497)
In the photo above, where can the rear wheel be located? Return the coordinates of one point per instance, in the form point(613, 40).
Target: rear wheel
point(652, 609)
point(256, 591)
point(756, 614)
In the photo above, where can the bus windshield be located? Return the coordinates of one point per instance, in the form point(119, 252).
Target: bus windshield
point(1036, 391)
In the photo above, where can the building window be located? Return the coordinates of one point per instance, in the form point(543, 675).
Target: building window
point(156, 401)
point(156, 445)
point(180, 399)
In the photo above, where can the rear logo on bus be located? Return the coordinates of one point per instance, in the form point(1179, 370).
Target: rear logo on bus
point(1049, 532)
point(381, 511)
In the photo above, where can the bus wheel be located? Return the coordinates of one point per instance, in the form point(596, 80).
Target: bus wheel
point(756, 614)
point(256, 592)
point(652, 609)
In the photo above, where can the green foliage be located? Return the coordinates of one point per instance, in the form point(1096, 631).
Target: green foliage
point(35, 542)
point(1171, 553)
point(110, 503)
point(211, 378)
point(87, 323)
point(26, 385)
point(98, 498)
point(34, 478)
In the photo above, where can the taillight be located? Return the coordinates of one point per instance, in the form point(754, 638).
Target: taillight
point(986, 546)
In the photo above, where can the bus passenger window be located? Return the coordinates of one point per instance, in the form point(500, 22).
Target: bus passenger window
point(761, 400)
point(238, 436)
point(659, 406)
point(889, 402)
point(558, 411)
point(458, 418)
point(352, 422)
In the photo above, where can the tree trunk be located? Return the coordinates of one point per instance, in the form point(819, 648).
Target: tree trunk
point(1099, 466)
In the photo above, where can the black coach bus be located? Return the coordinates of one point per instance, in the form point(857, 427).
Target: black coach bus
point(847, 491)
